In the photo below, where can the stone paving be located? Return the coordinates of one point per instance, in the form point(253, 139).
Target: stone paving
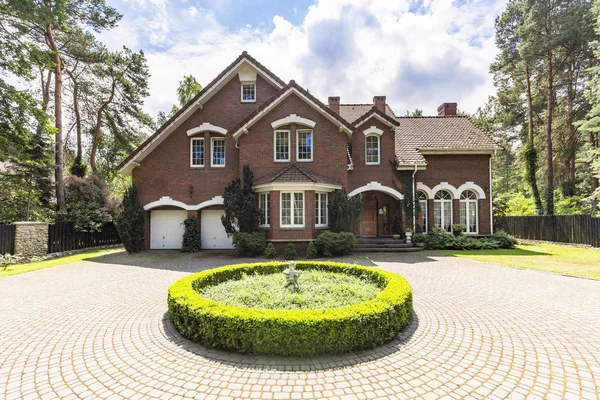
point(99, 329)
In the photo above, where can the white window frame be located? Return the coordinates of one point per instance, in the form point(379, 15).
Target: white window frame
point(442, 214)
point(289, 135)
point(266, 211)
point(312, 145)
point(292, 205)
point(424, 209)
point(467, 204)
point(319, 205)
point(242, 92)
point(378, 150)
point(192, 140)
point(212, 152)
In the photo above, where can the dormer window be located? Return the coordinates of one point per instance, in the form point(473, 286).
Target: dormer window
point(248, 92)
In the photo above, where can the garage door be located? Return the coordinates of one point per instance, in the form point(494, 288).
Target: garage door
point(166, 229)
point(212, 231)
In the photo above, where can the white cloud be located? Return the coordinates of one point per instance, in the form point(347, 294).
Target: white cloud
point(418, 53)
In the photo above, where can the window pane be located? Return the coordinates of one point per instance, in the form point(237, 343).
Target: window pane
point(372, 144)
point(463, 213)
point(286, 209)
point(198, 152)
point(423, 221)
point(437, 214)
point(317, 199)
point(298, 208)
point(268, 210)
point(473, 216)
point(447, 215)
point(218, 157)
point(304, 145)
point(282, 145)
point(248, 92)
point(265, 206)
point(323, 208)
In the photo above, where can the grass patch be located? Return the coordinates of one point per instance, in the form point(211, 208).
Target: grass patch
point(557, 258)
point(318, 290)
point(21, 268)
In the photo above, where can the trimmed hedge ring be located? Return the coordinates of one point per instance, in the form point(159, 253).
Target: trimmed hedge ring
point(290, 332)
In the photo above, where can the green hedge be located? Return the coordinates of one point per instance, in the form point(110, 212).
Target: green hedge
point(290, 332)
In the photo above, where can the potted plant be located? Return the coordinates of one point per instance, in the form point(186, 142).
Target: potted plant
point(458, 229)
point(408, 232)
point(419, 240)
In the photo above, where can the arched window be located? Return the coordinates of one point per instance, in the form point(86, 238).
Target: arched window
point(422, 197)
point(372, 150)
point(468, 211)
point(442, 210)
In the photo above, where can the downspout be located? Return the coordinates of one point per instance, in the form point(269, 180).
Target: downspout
point(491, 195)
point(414, 198)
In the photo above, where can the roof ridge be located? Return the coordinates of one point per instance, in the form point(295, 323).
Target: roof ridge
point(431, 116)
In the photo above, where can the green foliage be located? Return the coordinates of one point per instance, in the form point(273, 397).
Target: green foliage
point(445, 241)
point(458, 229)
point(191, 236)
point(270, 251)
point(241, 208)
point(318, 289)
point(344, 211)
point(88, 203)
point(531, 167)
point(290, 252)
point(418, 238)
point(131, 221)
point(335, 244)
point(79, 168)
point(397, 225)
point(505, 241)
point(311, 251)
point(290, 332)
point(249, 244)
point(187, 89)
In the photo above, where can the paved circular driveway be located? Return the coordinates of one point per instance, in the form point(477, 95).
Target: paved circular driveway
point(98, 329)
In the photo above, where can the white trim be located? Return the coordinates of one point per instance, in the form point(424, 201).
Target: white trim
point(292, 201)
point(446, 186)
point(293, 119)
point(242, 84)
point(442, 213)
point(471, 186)
point(192, 165)
point(168, 201)
point(378, 149)
point(281, 98)
point(467, 207)
point(432, 151)
point(373, 114)
point(312, 145)
point(411, 167)
point(212, 150)
point(425, 189)
point(491, 198)
point(378, 187)
point(207, 127)
point(289, 133)
point(318, 198)
point(126, 169)
point(373, 130)
point(323, 187)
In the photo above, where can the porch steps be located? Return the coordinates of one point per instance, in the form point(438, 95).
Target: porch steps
point(384, 245)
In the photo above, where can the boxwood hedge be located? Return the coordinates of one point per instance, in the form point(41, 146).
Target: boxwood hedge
point(290, 332)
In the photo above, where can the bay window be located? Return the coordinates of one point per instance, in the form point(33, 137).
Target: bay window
point(264, 204)
point(292, 209)
point(321, 212)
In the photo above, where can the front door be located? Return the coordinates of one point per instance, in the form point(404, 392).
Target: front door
point(368, 218)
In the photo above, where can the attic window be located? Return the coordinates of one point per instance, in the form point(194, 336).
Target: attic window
point(248, 92)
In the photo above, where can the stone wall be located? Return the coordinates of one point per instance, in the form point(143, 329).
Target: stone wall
point(31, 238)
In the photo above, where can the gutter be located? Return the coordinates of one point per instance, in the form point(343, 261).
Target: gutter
point(414, 198)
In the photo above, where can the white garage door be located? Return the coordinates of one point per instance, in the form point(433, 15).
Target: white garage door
point(166, 229)
point(212, 231)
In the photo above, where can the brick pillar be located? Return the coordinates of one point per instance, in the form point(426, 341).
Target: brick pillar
point(334, 104)
point(31, 239)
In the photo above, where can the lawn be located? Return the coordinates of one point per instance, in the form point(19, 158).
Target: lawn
point(562, 259)
point(21, 268)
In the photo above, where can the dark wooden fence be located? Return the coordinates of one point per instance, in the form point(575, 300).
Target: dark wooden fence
point(580, 229)
point(7, 239)
point(62, 236)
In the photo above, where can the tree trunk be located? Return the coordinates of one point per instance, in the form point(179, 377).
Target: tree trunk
point(595, 180)
point(549, 195)
point(59, 159)
point(531, 165)
point(99, 125)
point(77, 115)
point(572, 132)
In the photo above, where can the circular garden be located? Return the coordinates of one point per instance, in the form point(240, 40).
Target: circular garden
point(246, 308)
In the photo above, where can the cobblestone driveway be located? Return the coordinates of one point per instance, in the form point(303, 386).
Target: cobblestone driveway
point(98, 329)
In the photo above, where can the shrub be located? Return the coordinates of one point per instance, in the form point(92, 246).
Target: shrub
point(88, 203)
point(436, 241)
point(344, 211)
point(505, 241)
point(241, 208)
point(290, 332)
point(191, 236)
point(335, 244)
point(250, 244)
point(418, 238)
point(79, 168)
point(290, 252)
point(458, 229)
point(130, 223)
point(311, 250)
point(270, 251)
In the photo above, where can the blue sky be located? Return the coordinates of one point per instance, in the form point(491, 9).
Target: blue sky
point(417, 53)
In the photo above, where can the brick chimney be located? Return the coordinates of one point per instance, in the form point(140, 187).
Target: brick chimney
point(334, 104)
point(447, 109)
point(379, 102)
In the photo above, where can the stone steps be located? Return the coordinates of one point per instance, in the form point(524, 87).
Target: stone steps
point(387, 249)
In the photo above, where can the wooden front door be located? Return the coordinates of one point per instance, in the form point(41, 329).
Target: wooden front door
point(368, 218)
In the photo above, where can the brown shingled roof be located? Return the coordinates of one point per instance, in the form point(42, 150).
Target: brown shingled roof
point(352, 112)
point(293, 173)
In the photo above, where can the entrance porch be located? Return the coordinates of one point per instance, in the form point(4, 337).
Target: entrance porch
point(378, 210)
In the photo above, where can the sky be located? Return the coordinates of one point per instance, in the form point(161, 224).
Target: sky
point(417, 53)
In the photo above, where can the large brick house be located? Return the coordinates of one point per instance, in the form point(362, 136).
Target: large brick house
point(301, 151)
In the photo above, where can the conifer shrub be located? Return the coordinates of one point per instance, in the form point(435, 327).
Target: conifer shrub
point(270, 251)
point(290, 252)
point(131, 222)
point(311, 251)
point(191, 236)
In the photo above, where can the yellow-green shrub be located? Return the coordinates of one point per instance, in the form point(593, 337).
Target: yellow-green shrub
point(290, 332)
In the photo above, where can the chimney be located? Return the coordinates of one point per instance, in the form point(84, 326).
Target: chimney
point(447, 109)
point(379, 102)
point(334, 104)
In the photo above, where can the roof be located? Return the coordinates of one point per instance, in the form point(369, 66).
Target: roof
point(417, 135)
point(375, 112)
point(352, 112)
point(295, 174)
point(195, 99)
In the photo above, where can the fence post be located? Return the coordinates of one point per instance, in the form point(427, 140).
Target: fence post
point(31, 238)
